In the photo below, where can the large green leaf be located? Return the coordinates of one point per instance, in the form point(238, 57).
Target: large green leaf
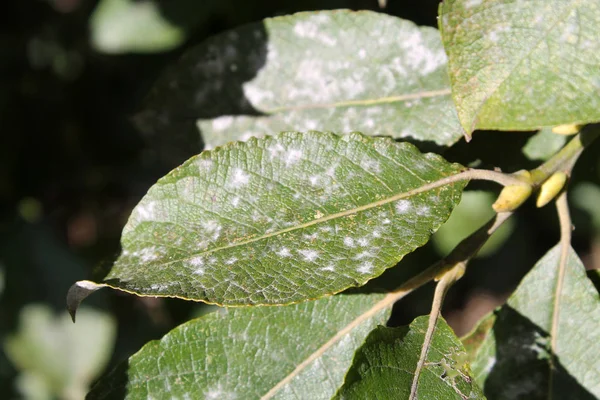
point(283, 219)
point(514, 360)
point(298, 351)
point(521, 65)
point(340, 71)
point(384, 366)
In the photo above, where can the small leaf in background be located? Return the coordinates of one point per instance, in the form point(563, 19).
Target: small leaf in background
point(386, 362)
point(586, 196)
point(514, 359)
point(474, 209)
point(283, 219)
point(250, 353)
point(543, 145)
point(57, 358)
point(124, 26)
point(339, 71)
point(522, 65)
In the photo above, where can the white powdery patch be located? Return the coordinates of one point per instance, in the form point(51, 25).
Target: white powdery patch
point(364, 254)
point(314, 180)
point(146, 255)
point(419, 57)
point(365, 268)
point(240, 178)
point(362, 53)
point(146, 211)
point(222, 123)
point(312, 236)
point(235, 201)
point(284, 252)
point(329, 267)
point(217, 393)
point(309, 255)
point(403, 206)
point(311, 29)
point(212, 227)
point(231, 261)
point(292, 156)
point(472, 3)
point(363, 242)
point(376, 233)
point(371, 166)
point(423, 210)
point(348, 241)
point(197, 263)
point(204, 165)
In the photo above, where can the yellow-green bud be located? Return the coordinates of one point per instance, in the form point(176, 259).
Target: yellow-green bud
point(550, 188)
point(568, 129)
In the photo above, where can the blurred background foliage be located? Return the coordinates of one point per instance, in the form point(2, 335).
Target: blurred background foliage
point(72, 166)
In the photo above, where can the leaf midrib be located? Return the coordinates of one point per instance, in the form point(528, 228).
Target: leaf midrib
point(432, 185)
point(364, 102)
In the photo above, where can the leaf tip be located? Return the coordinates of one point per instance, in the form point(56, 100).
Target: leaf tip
point(77, 293)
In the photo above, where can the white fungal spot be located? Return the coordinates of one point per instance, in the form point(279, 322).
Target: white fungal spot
point(235, 201)
point(423, 210)
point(146, 211)
point(148, 254)
point(364, 254)
point(363, 242)
point(312, 236)
point(362, 53)
point(284, 252)
point(348, 241)
point(472, 3)
point(231, 261)
point(329, 267)
point(365, 268)
point(376, 233)
point(240, 178)
point(386, 221)
point(292, 156)
point(309, 255)
point(314, 180)
point(196, 261)
point(371, 166)
point(403, 206)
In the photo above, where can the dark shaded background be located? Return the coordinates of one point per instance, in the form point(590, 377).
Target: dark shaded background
point(73, 165)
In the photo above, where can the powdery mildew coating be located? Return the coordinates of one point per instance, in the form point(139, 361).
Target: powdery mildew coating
point(284, 218)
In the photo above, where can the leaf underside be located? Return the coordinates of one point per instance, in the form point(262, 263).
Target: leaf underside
point(338, 71)
point(514, 357)
point(283, 219)
point(522, 65)
point(245, 353)
point(386, 363)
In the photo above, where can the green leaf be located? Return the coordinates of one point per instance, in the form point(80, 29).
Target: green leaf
point(514, 360)
point(283, 219)
point(544, 144)
point(385, 365)
point(298, 351)
point(121, 26)
point(338, 71)
point(56, 358)
point(522, 65)
point(474, 209)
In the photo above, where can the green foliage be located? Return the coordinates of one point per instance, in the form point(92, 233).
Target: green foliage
point(292, 218)
point(515, 357)
point(511, 62)
point(385, 365)
point(282, 219)
point(277, 352)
